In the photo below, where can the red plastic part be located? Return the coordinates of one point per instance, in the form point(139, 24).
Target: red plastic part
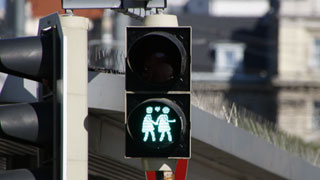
point(151, 175)
point(181, 170)
point(180, 173)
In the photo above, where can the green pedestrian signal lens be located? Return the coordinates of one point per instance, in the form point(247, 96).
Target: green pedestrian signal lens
point(156, 123)
point(162, 123)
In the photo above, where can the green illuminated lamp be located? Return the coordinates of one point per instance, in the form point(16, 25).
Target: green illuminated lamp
point(156, 123)
point(162, 123)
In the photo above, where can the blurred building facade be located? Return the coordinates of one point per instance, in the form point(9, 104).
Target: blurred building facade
point(228, 8)
point(266, 61)
point(235, 55)
point(299, 70)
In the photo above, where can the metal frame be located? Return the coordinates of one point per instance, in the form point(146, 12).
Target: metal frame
point(53, 21)
point(113, 4)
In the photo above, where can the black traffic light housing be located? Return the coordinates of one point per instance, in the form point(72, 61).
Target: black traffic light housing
point(37, 58)
point(158, 70)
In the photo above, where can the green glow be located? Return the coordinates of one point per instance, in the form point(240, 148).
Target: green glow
point(162, 123)
point(148, 125)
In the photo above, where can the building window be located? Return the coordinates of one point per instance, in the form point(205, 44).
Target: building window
point(228, 57)
point(316, 116)
point(231, 58)
point(315, 57)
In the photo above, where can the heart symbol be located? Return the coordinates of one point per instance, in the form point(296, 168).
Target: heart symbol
point(157, 108)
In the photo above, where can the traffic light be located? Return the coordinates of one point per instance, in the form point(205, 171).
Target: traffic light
point(38, 124)
point(158, 67)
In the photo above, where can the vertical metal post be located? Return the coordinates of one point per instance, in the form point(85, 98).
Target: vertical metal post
point(120, 22)
point(75, 98)
point(15, 17)
point(56, 110)
point(20, 17)
point(164, 168)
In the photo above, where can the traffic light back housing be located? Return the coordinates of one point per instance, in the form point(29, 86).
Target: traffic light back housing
point(28, 57)
point(38, 124)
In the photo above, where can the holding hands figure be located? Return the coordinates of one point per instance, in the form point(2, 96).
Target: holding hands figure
point(148, 125)
point(163, 124)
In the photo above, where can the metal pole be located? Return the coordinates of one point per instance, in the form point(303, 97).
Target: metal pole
point(20, 17)
point(75, 97)
point(120, 22)
point(15, 17)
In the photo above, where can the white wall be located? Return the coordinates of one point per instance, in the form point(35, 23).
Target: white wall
point(239, 7)
point(300, 7)
point(296, 40)
point(293, 49)
point(251, 8)
point(296, 113)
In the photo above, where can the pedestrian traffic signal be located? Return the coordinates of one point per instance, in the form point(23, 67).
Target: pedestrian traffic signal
point(37, 58)
point(158, 92)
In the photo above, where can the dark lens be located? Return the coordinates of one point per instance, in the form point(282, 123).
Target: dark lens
point(158, 65)
point(156, 58)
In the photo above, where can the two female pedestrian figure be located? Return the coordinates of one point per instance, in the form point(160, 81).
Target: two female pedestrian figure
point(162, 122)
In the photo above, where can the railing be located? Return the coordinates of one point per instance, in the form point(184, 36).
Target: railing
point(106, 57)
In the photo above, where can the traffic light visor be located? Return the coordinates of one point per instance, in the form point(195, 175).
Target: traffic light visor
point(157, 58)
